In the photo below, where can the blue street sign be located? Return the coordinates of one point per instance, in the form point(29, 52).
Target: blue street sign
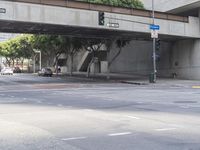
point(154, 27)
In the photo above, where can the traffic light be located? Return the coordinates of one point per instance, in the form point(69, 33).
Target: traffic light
point(101, 18)
point(157, 44)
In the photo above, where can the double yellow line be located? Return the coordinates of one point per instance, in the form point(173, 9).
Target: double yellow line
point(196, 87)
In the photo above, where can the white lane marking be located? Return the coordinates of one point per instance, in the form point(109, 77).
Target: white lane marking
point(120, 134)
point(60, 105)
point(185, 106)
point(90, 110)
point(133, 117)
point(165, 129)
point(73, 138)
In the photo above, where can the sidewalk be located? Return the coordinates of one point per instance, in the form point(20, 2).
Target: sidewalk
point(136, 79)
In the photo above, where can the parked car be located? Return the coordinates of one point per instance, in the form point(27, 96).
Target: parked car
point(45, 72)
point(17, 70)
point(7, 71)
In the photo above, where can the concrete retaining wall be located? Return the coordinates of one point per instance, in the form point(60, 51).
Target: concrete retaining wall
point(181, 58)
point(186, 59)
point(136, 58)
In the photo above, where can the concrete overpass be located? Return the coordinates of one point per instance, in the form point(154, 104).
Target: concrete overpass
point(81, 19)
point(181, 56)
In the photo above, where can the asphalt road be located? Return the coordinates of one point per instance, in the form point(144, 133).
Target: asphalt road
point(39, 113)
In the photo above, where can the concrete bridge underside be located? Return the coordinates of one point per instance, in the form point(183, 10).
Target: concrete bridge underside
point(24, 17)
point(38, 28)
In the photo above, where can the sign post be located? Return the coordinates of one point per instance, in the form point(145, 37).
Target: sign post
point(153, 27)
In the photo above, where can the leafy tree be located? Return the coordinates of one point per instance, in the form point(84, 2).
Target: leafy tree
point(75, 45)
point(120, 44)
point(122, 3)
point(93, 46)
point(55, 45)
point(5, 51)
point(43, 44)
point(24, 50)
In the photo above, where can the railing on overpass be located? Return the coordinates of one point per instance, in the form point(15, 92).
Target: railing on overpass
point(105, 8)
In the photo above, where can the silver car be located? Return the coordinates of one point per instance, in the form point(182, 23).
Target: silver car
point(7, 71)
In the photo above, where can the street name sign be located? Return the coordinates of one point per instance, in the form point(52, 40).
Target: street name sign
point(2, 10)
point(113, 25)
point(154, 27)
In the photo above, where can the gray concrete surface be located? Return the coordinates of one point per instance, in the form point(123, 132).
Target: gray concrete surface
point(68, 113)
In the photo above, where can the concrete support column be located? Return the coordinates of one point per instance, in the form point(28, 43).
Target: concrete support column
point(199, 15)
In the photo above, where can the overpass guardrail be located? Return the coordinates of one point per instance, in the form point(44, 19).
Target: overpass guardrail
point(106, 8)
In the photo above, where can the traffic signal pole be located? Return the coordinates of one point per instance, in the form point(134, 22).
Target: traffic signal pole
point(154, 46)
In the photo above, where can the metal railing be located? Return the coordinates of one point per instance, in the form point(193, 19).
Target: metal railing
point(106, 8)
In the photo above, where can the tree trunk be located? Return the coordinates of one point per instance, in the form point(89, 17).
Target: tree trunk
point(109, 45)
point(56, 66)
point(22, 65)
point(13, 63)
point(28, 66)
point(88, 69)
point(71, 64)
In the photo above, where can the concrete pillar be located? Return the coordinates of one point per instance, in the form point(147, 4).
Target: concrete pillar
point(199, 15)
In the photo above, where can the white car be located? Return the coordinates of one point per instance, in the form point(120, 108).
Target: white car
point(7, 71)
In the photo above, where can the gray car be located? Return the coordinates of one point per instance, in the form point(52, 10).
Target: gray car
point(45, 72)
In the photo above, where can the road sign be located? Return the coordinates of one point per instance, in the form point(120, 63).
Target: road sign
point(154, 34)
point(154, 27)
point(113, 25)
point(2, 10)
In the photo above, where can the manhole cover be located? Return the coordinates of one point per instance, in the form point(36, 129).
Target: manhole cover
point(188, 102)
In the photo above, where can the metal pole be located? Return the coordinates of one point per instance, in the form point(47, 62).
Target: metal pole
point(34, 65)
point(154, 46)
point(40, 60)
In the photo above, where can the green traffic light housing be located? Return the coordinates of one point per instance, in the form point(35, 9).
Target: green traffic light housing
point(101, 18)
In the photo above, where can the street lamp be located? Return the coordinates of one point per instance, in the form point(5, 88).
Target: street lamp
point(40, 54)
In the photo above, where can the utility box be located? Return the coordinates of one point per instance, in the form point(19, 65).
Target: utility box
point(151, 78)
